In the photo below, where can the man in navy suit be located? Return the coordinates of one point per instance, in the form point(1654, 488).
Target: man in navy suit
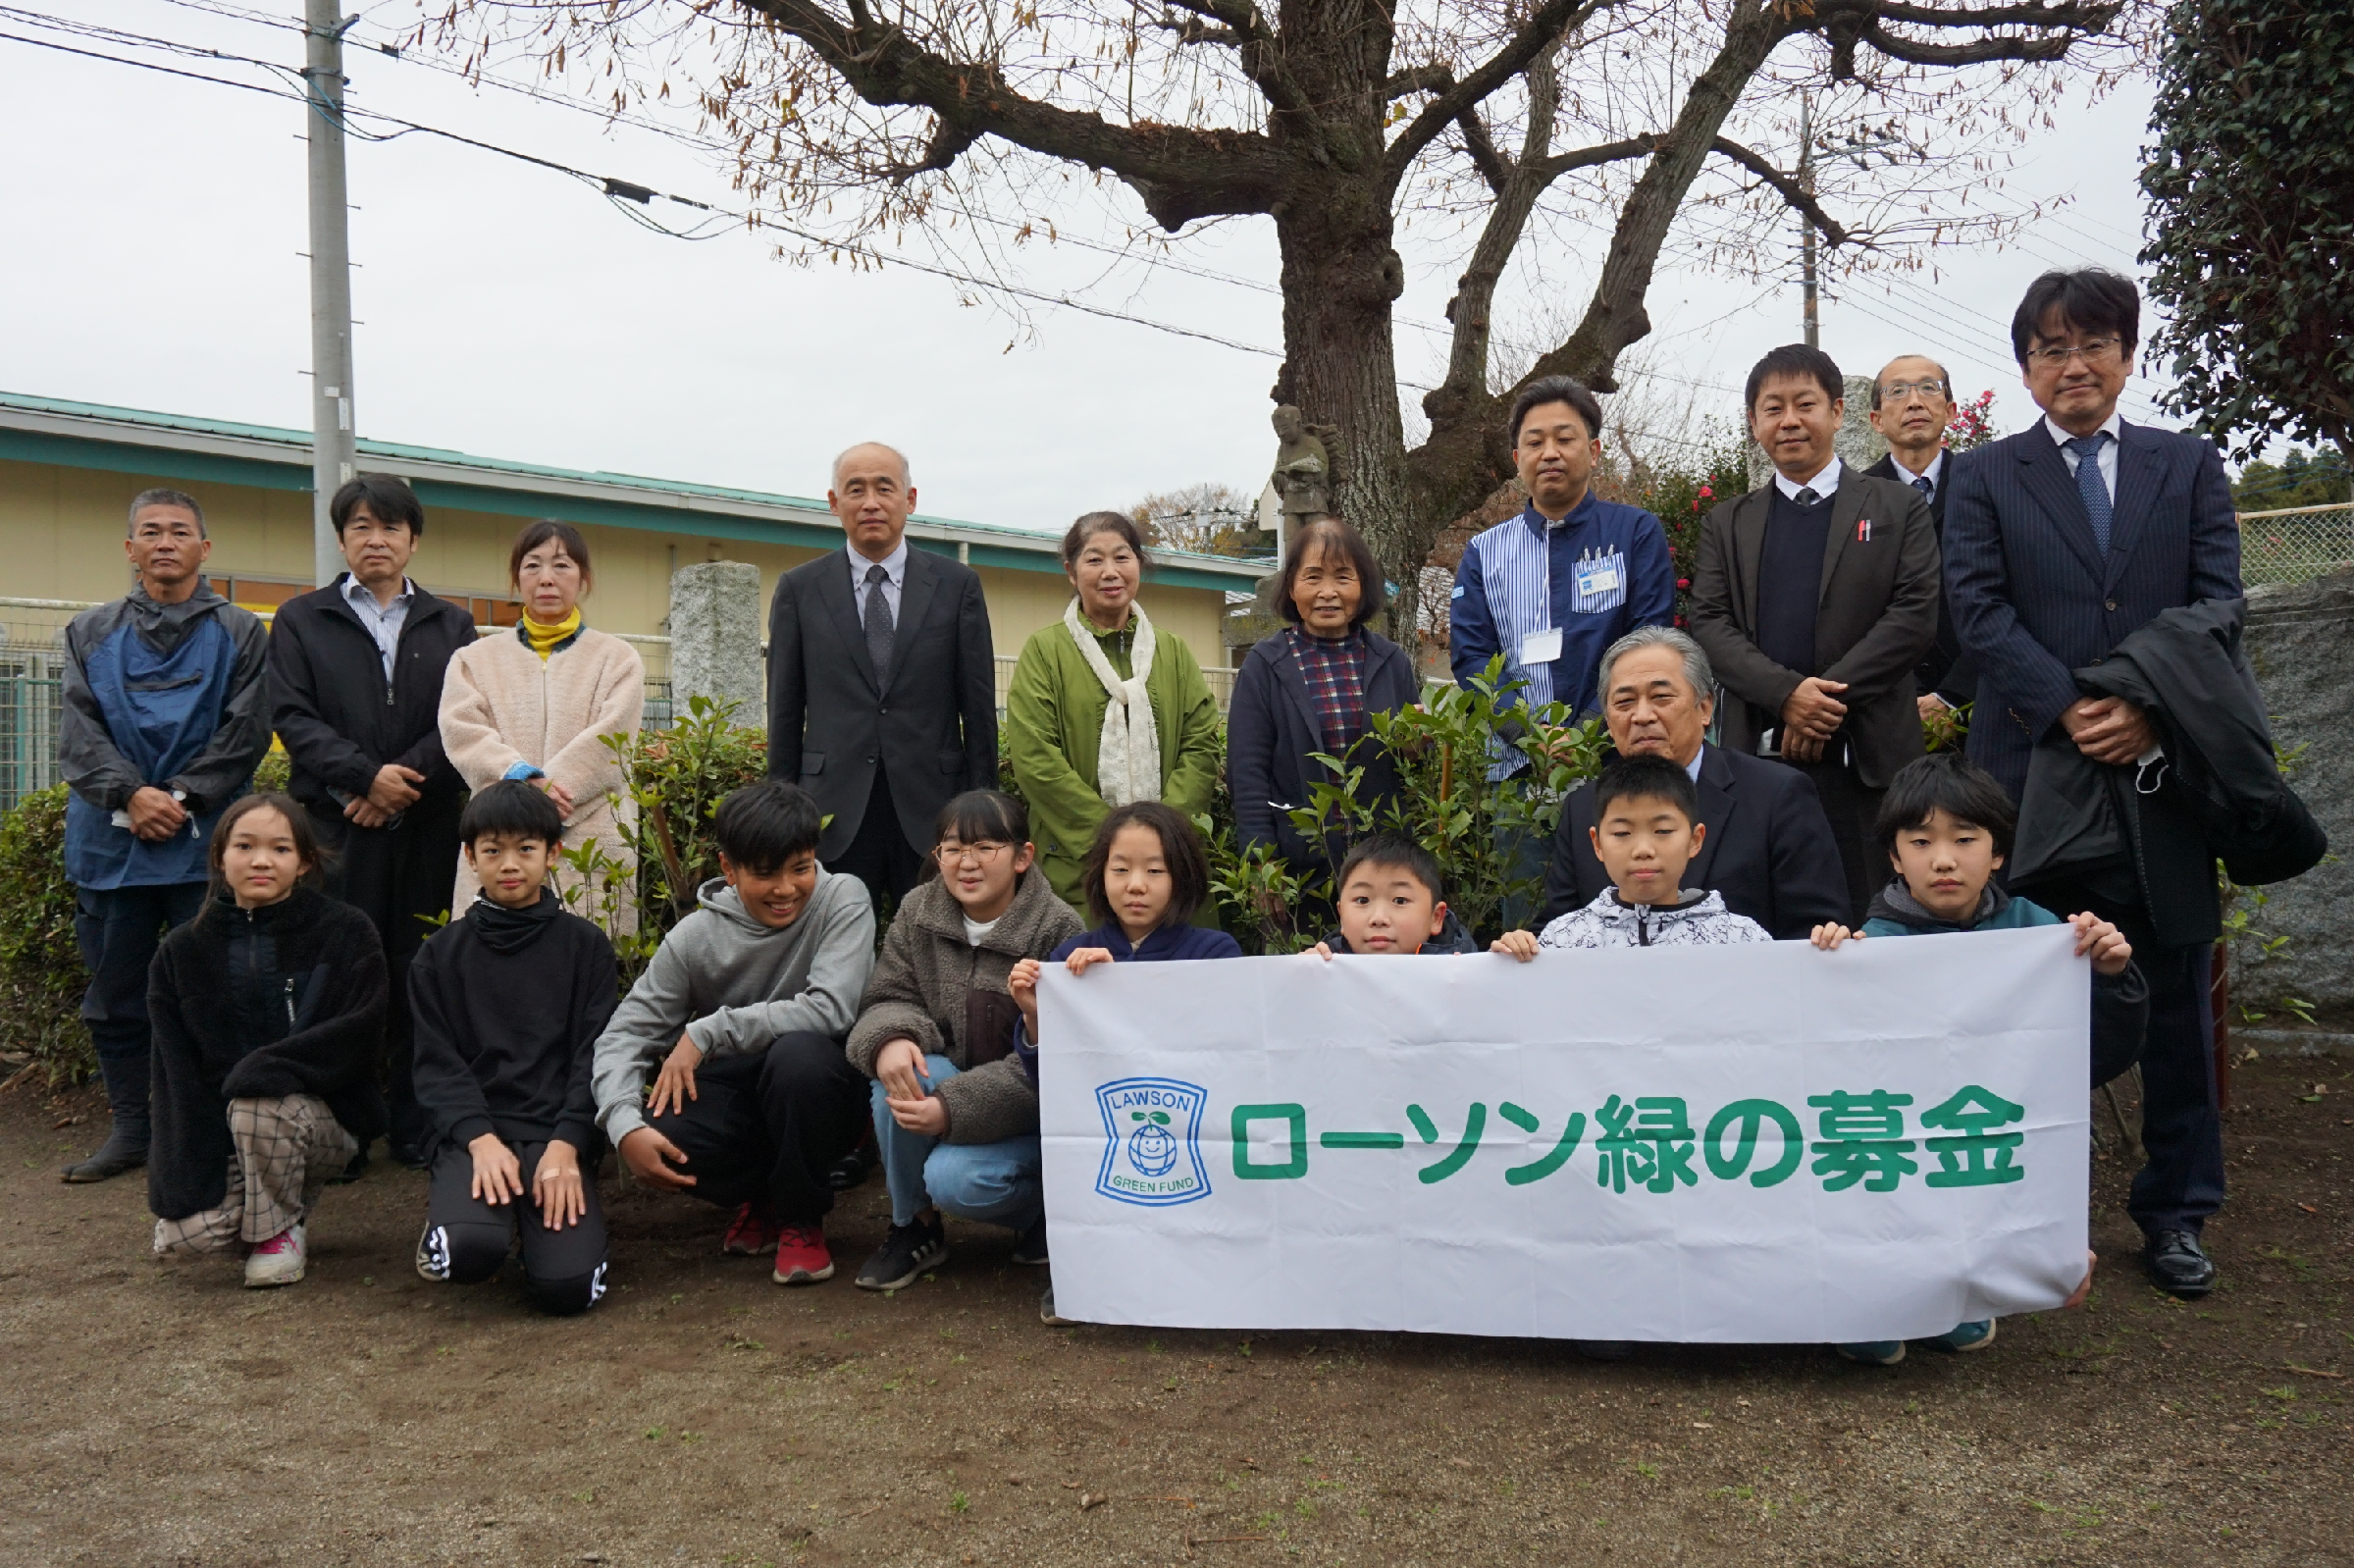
point(2059, 542)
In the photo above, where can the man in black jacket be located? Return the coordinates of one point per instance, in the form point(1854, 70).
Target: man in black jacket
point(882, 681)
point(355, 694)
point(1768, 847)
point(1815, 595)
point(2062, 541)
point(1913, 406)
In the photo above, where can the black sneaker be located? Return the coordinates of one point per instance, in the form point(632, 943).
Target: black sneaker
point(905, 1254)
point(1030, 1250)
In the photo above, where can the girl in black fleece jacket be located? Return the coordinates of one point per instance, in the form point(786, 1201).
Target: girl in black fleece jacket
point(269, 1011)
point(510, 1000)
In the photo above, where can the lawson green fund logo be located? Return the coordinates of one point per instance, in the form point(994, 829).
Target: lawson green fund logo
point(1152, 1141)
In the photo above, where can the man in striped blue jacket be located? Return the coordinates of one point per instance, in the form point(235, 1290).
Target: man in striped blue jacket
point(1555, 586)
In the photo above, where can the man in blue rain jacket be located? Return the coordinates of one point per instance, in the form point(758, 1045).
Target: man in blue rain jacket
point(164, 717)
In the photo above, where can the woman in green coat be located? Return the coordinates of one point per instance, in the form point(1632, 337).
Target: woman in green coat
point(1103, 710)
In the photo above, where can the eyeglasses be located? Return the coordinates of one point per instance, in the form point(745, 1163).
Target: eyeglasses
point(2057, 358)
point(984, 853)
point(1896, 391)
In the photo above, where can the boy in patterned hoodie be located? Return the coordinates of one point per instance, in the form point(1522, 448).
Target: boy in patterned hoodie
point(1647, 832)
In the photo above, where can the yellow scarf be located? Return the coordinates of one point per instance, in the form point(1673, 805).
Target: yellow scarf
point(543, 638)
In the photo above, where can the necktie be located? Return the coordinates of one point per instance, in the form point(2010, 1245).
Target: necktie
point(879, 622)
point(1928, 491)
point(1807, 496)
point(2097, 506)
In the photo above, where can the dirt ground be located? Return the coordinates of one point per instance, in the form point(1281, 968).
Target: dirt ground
point(157, 1413)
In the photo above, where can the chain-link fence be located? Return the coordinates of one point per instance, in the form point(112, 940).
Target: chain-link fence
point(2296, 543)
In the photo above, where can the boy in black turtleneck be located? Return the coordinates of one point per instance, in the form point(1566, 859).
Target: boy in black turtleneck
point(510, 1000)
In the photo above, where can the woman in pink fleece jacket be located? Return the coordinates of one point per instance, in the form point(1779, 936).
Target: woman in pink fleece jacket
point(538, 704)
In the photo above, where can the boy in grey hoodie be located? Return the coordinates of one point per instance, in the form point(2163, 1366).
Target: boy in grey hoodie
point(738, 1022)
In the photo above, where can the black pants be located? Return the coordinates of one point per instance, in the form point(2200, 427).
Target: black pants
point(2182, 1181)
point(466, 1238)
point(1855, 813)
point(119, 930)
point(765, 1128)
point(880, 854)
point(400, 878)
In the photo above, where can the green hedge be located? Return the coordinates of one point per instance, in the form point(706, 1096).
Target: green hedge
point(679, 775)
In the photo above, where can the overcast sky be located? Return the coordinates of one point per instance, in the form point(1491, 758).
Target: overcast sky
point(157, 224)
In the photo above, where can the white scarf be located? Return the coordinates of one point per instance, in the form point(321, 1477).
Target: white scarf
point(1127, 757)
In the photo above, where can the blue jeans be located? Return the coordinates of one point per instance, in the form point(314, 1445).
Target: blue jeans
point(997, 1182)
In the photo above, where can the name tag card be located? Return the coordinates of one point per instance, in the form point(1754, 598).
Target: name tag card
point(1541, 647)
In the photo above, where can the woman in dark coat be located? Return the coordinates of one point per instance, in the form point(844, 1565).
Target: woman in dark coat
point(1312, 688)
point(269, 1012)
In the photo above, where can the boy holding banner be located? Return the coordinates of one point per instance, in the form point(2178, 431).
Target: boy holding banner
point(1647, 832)
point(1392, 902)
point(1946, 827)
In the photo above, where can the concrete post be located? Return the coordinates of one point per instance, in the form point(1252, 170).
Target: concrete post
point(715, 639)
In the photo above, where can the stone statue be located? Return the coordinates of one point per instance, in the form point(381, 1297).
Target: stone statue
point(1303, 470)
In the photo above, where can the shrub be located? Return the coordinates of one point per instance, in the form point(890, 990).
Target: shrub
point(1491, 836)
point(41, 977)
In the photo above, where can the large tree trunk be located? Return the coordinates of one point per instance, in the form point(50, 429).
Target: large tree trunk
point(1341, 278)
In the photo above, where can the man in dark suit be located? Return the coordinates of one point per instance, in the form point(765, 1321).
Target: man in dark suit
point(1768, 847)
point(355, 694)
point(1816, 597)
point(1913, 405)
point(882, 683)
point(2061, 541)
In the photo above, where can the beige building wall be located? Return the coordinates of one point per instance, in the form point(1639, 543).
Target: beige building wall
point(62, 528)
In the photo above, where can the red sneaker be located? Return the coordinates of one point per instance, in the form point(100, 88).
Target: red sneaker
point(749, 1233)
point(800, 1255)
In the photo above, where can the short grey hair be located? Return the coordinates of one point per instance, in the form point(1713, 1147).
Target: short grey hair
point(163, 497)
point(835, 473)
point(1694, 657)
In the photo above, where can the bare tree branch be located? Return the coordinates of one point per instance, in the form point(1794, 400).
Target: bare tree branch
point(1180, 173)
point(1261, 57)
point(1192, 29)
point(2052, 47)
point(2073, 17)
point(1548, 23)
point(1482, 151)
point(1418, 78)
point(1789, 190)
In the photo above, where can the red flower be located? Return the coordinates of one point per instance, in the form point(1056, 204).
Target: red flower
point(1683, 582)
point(1706, 492)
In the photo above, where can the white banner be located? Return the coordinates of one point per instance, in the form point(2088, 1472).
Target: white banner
point(1743, 1145)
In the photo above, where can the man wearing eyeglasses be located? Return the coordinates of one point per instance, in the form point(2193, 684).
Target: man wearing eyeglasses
point(2060, 541)
point(1913, 405)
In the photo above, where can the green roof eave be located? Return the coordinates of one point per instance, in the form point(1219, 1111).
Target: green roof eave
point(100, 437)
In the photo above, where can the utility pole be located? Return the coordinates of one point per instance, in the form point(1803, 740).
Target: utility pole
point(1813, 320)
point(335, 455)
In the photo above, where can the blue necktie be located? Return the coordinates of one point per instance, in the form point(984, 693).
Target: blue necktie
point(2088, 485)
point(1927, 490)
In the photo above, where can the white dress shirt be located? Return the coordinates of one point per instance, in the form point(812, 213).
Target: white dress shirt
point(2108, 449)
point(1823, 484)
point(1935, 473)
point(384, 621)
point(895, 576)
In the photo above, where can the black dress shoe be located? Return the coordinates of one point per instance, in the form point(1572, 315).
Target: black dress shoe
point(2178, 1264)
point(411, 1154)
point(352, 1171)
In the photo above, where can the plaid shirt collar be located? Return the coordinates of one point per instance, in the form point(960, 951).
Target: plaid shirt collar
point(1335, 672)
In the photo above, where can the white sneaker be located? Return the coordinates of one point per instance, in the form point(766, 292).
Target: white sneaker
point(277, 1261)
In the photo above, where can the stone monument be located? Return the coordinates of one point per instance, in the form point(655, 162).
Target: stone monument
point(715, 639)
